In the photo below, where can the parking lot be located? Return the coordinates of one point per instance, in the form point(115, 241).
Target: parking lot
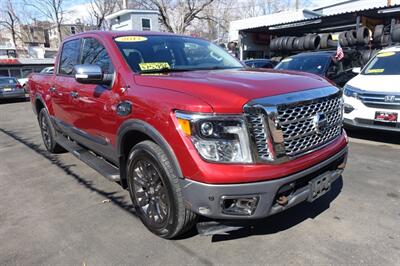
point(56, 210)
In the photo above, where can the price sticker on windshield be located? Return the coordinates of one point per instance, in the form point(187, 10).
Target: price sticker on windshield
point(154, 66)
point(377, 70)
point(131, 39)
point(385, 54)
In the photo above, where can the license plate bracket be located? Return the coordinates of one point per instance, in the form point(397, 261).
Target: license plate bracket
point(319, 186)
point(382, 116)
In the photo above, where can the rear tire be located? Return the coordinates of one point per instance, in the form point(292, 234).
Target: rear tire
point(48, 132)
point(155, 191)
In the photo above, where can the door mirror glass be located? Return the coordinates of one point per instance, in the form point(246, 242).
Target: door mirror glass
point(357, 70)
point(89, 74)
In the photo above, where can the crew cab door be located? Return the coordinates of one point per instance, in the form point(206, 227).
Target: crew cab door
point(62, 91)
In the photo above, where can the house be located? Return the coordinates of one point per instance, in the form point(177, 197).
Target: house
point(134, 19)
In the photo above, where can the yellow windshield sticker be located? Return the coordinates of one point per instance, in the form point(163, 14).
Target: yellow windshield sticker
point(153, 66)
point(385, 54)
point(131, 39)
point(378, 70)
point(287, 60)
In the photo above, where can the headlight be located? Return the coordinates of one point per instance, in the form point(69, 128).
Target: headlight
point(217, 138)
point(350, 91)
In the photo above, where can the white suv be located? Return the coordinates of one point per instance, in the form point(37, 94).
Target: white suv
point(372, 98)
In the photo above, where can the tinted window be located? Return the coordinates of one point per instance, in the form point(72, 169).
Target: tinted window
point(173, 52)
point(384, 63)
point(311, 64)
point(69, 57)
point(95, 53)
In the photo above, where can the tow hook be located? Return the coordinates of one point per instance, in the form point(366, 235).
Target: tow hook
point(282, 200)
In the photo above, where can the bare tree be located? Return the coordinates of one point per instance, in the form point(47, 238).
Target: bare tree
point(176, 15)
point(99, 9)
point(10, 21)
point(50, 9)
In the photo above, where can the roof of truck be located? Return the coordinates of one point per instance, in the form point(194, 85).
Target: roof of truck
point(114, 34)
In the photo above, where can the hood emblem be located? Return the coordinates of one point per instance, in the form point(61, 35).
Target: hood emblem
point(320, 123)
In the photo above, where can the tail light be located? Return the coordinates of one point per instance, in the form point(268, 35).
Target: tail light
point(19, 86)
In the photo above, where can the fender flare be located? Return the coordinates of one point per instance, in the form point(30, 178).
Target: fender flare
point(40, 99)
point(151, 132)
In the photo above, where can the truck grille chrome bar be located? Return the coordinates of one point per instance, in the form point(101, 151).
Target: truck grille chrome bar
point(286, 126)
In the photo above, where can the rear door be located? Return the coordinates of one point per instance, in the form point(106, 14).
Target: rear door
point(64, 104)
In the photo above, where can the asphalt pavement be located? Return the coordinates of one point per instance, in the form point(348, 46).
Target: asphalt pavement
point(54, 210)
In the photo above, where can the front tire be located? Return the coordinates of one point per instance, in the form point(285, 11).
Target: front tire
point(155, 191)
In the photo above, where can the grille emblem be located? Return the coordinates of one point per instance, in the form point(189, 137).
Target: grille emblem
point(390, 98)
point(320, 123)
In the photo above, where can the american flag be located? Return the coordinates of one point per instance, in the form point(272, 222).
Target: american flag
point(339, 52)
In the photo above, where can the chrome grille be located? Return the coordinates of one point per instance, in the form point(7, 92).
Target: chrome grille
point(258, 134)
point(380, 100)
point(298, 128)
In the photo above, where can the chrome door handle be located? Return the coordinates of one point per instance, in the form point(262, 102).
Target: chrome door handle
point(52, 89)
point(74, 94)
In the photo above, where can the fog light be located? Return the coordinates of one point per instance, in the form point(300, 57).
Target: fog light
point(348, 108)
point(235, 205)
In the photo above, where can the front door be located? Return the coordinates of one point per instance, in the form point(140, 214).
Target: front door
point(96, 117)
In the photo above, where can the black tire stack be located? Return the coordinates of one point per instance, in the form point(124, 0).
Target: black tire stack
point(290, 43)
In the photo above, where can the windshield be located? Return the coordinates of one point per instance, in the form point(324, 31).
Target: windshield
point(311, 64)
point(7, 81)
point(384, 63)
point(173, 53)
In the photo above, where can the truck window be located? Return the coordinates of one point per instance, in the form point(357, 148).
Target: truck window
point(95, 53)
point(69, 57)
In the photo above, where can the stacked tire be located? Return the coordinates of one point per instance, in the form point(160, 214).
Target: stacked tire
point(290, 43)
point(350, 38)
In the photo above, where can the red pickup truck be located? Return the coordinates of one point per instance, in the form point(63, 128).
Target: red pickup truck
point(188, 129)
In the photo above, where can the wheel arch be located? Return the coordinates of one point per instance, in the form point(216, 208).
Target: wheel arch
point(39, 104)
point(134, 131)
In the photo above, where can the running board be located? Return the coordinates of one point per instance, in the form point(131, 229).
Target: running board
point(97, 163)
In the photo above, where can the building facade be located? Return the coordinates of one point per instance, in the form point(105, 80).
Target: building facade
point(134, 19)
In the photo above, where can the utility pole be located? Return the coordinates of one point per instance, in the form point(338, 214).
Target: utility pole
point(298, 4)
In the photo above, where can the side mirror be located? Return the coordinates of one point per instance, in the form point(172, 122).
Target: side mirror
point(357, 70)
point(89, 74)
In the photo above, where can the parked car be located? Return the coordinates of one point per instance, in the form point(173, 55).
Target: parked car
point(324, 64)
point(47, 70)
point(260, 63)
point(372, 99)
point(187, 129)
point(10, 88)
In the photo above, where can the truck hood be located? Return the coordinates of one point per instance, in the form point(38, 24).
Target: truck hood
point(228, 90)
point(376, 83)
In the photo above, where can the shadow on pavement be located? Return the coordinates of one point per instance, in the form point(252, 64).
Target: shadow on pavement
point(117, 200)
point(12, 100)
point(374, 135)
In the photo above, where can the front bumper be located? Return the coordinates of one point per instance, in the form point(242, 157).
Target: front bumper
point(362, 116)
point(13, 94)
point(206, 199)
